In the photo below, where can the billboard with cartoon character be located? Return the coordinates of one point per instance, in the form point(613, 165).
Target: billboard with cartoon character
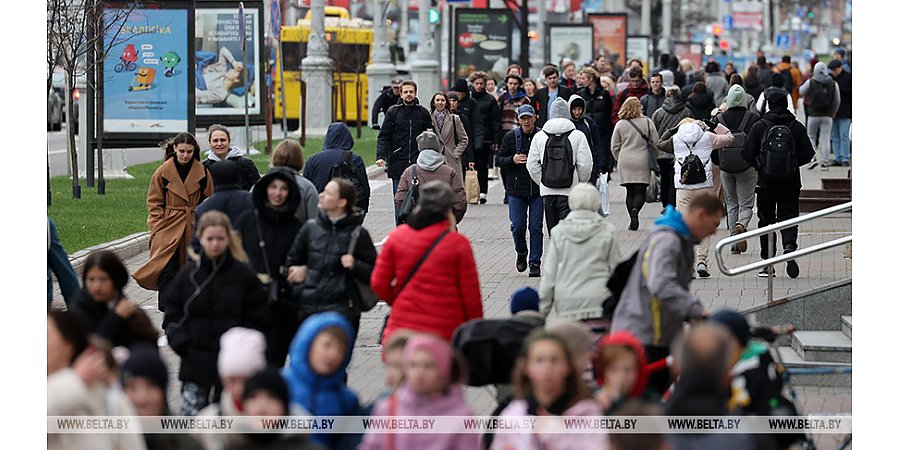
point(147, 81)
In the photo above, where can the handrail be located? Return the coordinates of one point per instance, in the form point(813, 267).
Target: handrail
point(770, 230)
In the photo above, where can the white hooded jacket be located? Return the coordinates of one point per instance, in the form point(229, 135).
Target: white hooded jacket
point(703, 143)
point(560, 122)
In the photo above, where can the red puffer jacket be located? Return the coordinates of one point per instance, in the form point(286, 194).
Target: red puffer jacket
point(443, 294)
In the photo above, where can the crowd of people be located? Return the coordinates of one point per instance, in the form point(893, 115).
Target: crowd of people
point(263, 278)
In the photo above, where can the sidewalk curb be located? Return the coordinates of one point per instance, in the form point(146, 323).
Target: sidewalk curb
point(126, 247)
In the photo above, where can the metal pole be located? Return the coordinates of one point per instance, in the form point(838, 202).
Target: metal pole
point(246, 88)
point(280, 62)
point(771, 269)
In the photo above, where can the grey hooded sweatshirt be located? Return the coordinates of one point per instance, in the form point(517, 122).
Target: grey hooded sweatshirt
point(822, 75)
point(560, 122)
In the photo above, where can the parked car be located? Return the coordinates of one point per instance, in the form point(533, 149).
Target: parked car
point(56, 103)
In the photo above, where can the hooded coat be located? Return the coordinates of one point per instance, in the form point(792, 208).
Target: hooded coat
point(691, 138)
point(101, 319)
point(277, 227)
point(396, 139)
point(672, 112)
point(560, 122)
point(249, 172)
point(405, 402)
point(430, 167)
point(717, 86)
point(630, 150)
point(789, 71)
point(229, 197)
point(656, 300)
point(320, 394)
point(802, 146)
point(623, 95)
point(821, 75)
point(626, 339)
point(308, 206)
point(558, 440)
point(454, 140)
point(599, 107)
point(579, 261)
point(485, 118)
point(651, 102)
point(318, 167)
point(701, 105)
point(592, 131)
point(171, 204)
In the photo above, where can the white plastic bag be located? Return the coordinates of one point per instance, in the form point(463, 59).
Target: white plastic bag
point(603, 187)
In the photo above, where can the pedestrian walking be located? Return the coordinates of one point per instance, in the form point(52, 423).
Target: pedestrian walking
point(777, 146)
point(716, 82)
point(737, 175)
point(337, 159)
point(655, 97)
point(220, 149)
point(430, 167)
point(548, 382)
point(103, 308)
point(546, 96)
point(656, 299)
point(580, 259)
point(228, 197)
point(634, 148)
point(762, 104)
point(426, 271)
point(287, 158)
point(598, 106)
point(486, 135)
point(210, 295)
point(792, 78)
point(840, 129)
point(700, 102)
point(753, 85)
point(765, 72)
point(591, 131)
point(559, 158)
point(450, 130)
point(637, 87)
point(432, 387)
point(321, 270)
point(267, 233)
point(526, 207)
point(389, 96)
point(58, 265)
point(568, 76)
point(821, 99)
point(467, 158)
point(176, 188)
point(402, 123)
point(669, 116)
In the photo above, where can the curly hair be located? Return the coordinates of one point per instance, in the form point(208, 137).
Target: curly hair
point(631, 109)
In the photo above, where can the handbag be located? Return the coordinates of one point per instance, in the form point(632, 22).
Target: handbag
point(651, 154)
point(367, 297)
point(652, 194)
point(473, 189)
point(412, 198)
point(272, 289)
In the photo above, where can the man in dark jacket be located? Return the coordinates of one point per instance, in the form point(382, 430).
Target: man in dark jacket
point(655, 97)
point(591, 131)
point(485, 138)
point(338, 146)
point(675, 67)
point(465, 106)
point(765, 72)
point(228, 197)
point(524, 195)
point(840, 130)
point(598, 106)
point(545, 96)
point(637, 87)
point(403, 122)
point(390, 96)
point(777, 198)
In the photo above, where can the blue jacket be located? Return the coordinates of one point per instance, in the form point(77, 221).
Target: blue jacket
point(318, 166)
point(321, 395)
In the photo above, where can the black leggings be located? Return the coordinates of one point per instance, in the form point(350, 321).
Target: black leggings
point(483, 158)
point(635, 196)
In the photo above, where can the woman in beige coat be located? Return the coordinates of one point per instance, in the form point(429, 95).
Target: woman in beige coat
point(450, 131)
point(630, 148)
point(176, 188)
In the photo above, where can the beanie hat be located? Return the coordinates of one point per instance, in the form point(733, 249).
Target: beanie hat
point(438, 348)
point(525, 299)
point(777, 101)
point(668, 78)
point(428, 141)
point(453, 95)
point(271, 381)
point(242, 352)
point(144, 361)
point(736, 97)
point(226, 175)
point(461, 85)
point(574, 334)
point(736, 324)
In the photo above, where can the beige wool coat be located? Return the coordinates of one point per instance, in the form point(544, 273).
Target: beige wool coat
point(454, 140)
point(630, 150)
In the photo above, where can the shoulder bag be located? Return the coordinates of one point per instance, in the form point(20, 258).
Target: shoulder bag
point(367, 298)
point(651, 155)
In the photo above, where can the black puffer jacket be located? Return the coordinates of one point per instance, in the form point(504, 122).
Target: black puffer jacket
point(485, 120)
point(397, 137)
point(701, 106)
point(319, 246)
point(599, 107)
point(232, 297)
point(249, 172)
point(518, 181)
point(98, 318)
point(279, 227)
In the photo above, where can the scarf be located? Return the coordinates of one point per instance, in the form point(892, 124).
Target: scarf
point(439, 117)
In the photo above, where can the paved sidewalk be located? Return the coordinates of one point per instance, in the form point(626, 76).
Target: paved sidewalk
point(487, 227)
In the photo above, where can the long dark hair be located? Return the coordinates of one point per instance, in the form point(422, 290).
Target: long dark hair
point(446, 101)
point(181, 138)
point(111, 264)
point(575, 386)
point(71, 330)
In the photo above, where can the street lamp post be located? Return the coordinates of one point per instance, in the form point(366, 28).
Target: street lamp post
point(426, 69)
point(665, 44)
point(381, 70)
point(317, 70)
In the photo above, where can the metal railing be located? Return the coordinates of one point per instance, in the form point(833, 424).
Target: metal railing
point(770, 231)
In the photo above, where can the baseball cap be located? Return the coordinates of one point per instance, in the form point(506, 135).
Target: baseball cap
point(397, 81)
point(525, 110)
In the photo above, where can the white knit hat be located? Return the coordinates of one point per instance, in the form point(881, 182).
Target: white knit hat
point(242, 352)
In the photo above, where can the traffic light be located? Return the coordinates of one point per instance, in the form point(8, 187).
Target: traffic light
point(717, 30)
point(724, 45)
point(434, 16)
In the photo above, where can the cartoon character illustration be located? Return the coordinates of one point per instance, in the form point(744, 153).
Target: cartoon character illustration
point(144, 79)
point(127, 60)
point(170, 60)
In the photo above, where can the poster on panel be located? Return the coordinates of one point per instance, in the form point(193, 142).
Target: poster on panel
point(570, 41)
point(691, 51)
point(482, 41)
point(638, 47)
point(610, 32)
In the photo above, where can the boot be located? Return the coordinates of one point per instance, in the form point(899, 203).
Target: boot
point(634, 220)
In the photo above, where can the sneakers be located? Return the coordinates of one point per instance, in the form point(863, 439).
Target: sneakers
point(482, 199)
point(824, 167)
point(793, 270)
point(812, 165)
point(521, 262)
point(764, 273)
point(742, 245)
point(534, 271)
point(702, 270)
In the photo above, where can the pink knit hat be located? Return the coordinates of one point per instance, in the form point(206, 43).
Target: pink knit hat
point(242, 352)
point(439, 349)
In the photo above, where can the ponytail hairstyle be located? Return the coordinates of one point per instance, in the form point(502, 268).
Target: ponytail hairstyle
point(346, 191)
point(219, 219)
point(181, 138)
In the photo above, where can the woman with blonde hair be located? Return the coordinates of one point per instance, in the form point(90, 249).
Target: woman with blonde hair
point(212, 293)
point(634, 143)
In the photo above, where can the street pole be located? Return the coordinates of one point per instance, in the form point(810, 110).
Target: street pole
point(425, 71)
point(317, 70)
point(276, 33)
point(524, 40)
point(665, 44)
point(543, 31)
point(645, 17)
point(403, 35)
point(244, 75)
point(381, 70)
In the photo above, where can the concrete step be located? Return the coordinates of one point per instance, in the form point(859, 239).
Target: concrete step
point(836, 183)
point(823, 346)
point(792, 360)
point(822, 193)
point(809, 204)
point(847, 326)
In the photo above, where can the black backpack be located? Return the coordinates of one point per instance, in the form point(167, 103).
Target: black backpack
point(345, 169)
point(731, 158)
point(558, 166)
point(820, 96)
point(693, 169)
point(778, 156)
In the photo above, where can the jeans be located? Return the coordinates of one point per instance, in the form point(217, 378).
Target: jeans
point(840, 140)
point(396, 184)
point(556, 208)
point(740, 193)
point(666, 181)
point(819, 130)
point(523, 208)
point(778, 205)
point(683, 199)
point(58, 264)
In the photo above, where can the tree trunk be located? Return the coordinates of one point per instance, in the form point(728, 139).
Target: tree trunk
point(70, 136)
